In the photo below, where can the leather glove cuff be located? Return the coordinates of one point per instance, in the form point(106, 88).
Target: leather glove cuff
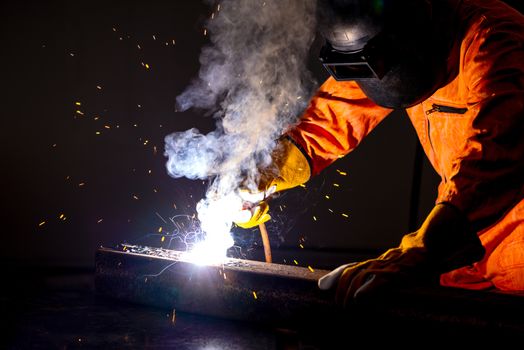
point(290, 168)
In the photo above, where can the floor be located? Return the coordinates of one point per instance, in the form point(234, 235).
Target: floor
point(61, 311)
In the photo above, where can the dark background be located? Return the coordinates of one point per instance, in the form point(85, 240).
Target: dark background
point(100, 164)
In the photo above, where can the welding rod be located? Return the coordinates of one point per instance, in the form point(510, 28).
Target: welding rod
point(265, 242)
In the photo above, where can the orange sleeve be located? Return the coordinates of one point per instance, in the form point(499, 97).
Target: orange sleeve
point(339, 116)
point(488, 173)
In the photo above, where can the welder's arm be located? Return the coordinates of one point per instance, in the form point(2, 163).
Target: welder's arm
point(337, 119)
point(339, 116)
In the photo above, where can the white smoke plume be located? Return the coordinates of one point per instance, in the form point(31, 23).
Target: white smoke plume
point(253, 76)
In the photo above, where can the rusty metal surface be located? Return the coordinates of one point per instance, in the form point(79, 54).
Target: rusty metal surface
point(237, 289)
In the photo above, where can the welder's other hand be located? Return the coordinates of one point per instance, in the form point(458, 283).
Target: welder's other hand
point(251, 217)
point(444, 242)
point(330, 280)
point(393, 268)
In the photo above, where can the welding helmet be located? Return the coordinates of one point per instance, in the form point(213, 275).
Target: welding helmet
point(386, 46)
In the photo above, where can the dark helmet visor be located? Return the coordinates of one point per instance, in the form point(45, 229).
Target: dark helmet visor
point(356, 65)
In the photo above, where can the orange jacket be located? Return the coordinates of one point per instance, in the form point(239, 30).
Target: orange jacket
point(471, 129)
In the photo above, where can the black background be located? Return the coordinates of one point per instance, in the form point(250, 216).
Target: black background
point(56, 53)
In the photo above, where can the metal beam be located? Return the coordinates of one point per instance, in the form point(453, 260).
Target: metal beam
point(236, 289)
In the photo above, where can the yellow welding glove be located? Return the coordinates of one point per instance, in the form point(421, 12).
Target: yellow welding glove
point(289, 168)
point(251, 217)
point(443, 243)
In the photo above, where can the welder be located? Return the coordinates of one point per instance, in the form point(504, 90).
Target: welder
point(457, 68)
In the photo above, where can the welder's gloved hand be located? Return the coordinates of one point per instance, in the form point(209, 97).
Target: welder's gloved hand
point(251, 217)
point(290, 168)
point(444, 242)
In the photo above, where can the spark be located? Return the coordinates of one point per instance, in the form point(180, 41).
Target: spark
point(173, 318)
point(314, 218)
point(107, 127)
point(154, 37)
point(138, 45)
point(79, 112)
point(61, 216)
point(301, 245)
point(99, 221)
point(296, 262)
point(174, 42)
point(343, 173)
point(78, 103)
point(310, 268)
point(327, 197)
point(81, 184)
point(205, 32)
point(42, 223)
point(163, 238)
point(255, 295)
point(135, 197)
point(161, 218)
point(99, 87)
point(160, 229)
point(345, 215)
point(114, 29)
point(336, 185)
point(98, 132)
point(147, 66)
